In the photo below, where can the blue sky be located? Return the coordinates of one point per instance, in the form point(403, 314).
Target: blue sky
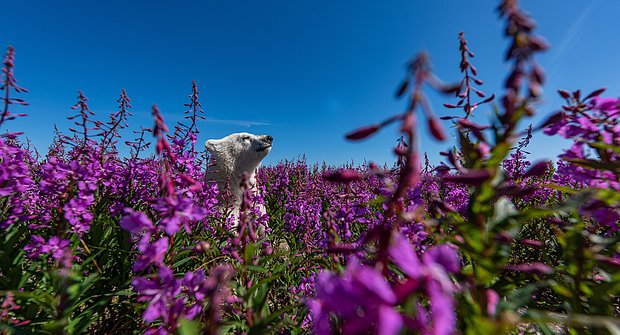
point(305, 72)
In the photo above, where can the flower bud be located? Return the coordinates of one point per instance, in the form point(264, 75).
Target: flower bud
point(362, 133)
point(436, 129)
point(532, 243)
point(536, 268)
point(342, 176)
point(537, 169)
point(472, 177)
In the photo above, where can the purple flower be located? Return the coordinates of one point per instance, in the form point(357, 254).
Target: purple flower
point(160, 292)
point(151, 252)
point(492, 301)
point(194, 283)
point(53, 177)
point(170, 299)
point(610, 106)
point(15, 180)
point(54, 246)
point(136, 222)
point(443, 309)
point(431, 276)
point(602, 213)
point(362, 299)
point(177, 210)
point(77, 213)
point(444, 255)
point(405, 257)
point(57, 248)
point(537, 169)
point(33, 249)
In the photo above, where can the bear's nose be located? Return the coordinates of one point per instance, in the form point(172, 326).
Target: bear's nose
point(268, 138)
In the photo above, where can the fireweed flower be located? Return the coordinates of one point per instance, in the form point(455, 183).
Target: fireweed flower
point(53, 177)
point(176, 211)
point(170, 299)
point(7, 309)
point(306, 287)
point(55, 247)
point(77, 213)
point(150, 252)
point(515, 166)
point(430, 277)
point(445, 256)
point(602, 213)
point(142, 229)
point(362, 299)
point(303, 215)
point(14, 173)
point(71, 185)
point(457, 196)
point(136, 182)
point(136, 222)
point(584, 122)
point(33, 249)
point(194, 284)
point(15, 180)
point(160, 293)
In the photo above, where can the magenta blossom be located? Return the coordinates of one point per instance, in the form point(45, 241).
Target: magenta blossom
point(362, 299)
point(176, 211)
point(136, 222)
point(55, 247)
point(151, 252)
point(429, 276)
point(160, 292)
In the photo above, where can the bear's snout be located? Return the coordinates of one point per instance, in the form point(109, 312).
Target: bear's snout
point(265, 141)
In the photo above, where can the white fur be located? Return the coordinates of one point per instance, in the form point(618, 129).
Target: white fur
point(235, 155)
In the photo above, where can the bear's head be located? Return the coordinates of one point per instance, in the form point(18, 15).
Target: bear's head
point(240, 152)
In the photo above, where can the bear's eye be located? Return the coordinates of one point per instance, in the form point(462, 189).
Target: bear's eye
point(245, 138)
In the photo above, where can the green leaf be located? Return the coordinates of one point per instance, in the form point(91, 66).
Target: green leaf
point(189, 327)
point(604, 146)
point(498, 154)
point(519, 298)
point(182, 262)
point(594, 164)
point(250, 250)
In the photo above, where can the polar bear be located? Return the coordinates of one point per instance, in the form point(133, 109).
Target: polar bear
point(235, 155)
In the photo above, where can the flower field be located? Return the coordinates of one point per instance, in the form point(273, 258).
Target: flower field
point(489, 242)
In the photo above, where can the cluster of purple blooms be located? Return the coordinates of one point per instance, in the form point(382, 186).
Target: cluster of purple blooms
point(171, 299)
point(364, 301)
point(375, 256)
point(15, 179)
point(592, 123)
point(67, 188)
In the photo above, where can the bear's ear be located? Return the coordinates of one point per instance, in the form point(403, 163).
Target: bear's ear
point(210, 145)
